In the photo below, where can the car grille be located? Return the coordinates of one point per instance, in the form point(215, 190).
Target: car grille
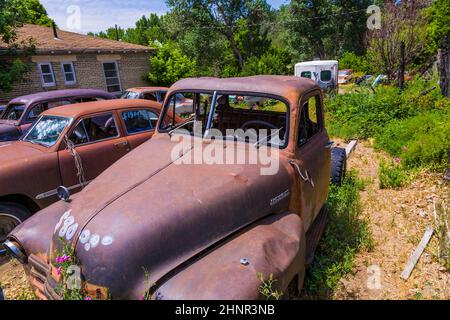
point(40, 279)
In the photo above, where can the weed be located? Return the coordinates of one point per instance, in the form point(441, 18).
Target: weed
point(266, 287)
point(70, 284)
point(346, 234)
point(392, 175)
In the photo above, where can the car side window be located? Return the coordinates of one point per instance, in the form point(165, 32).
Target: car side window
point(310, 119)
point(139, 120)
point(150, 96)
point(36, 110)
point(58, 103)
point(94, 129)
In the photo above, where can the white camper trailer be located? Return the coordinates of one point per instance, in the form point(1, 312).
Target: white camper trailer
point(325, 72)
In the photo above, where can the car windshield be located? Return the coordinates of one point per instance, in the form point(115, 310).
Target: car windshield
point(130, 95)
point(13, 112)
point(344, 73)
point(235, 117)
point(47, 130)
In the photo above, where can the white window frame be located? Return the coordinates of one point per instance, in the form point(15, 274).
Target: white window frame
point(64, 73)
point(118, 76)
point(44, 84)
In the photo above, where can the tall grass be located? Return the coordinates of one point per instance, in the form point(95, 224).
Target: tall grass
point(346, 234)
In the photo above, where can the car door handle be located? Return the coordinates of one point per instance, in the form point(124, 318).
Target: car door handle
point(329, 144)
point(305, 176)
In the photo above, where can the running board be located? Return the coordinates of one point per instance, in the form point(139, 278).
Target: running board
point(314, 234)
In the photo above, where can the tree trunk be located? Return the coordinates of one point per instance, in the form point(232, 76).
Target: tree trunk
point(401, 70)
point(443, 61)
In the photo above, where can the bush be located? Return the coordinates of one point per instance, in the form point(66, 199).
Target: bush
point(420, 141)
point(391, 175)
point(406, 124)
point(350, 60)
point(346, 234)
point(169, 65)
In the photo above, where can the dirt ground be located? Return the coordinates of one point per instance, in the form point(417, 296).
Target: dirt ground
point(398, 219)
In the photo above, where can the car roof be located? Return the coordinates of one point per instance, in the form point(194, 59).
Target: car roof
point(56, 94)
point(147, 89)
point(289, 87)
point(80, 109)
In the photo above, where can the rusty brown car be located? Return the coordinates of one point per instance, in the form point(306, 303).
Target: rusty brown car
point(202, 230)
point(100, 133)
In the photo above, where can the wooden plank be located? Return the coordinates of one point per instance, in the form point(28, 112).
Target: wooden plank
point(351, 147)
point(417, 253)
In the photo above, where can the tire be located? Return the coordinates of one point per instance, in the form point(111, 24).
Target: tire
point(338, 165)
point(11, 215)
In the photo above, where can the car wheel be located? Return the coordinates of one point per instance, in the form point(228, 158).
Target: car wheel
point(11, 215)
point(338, 165)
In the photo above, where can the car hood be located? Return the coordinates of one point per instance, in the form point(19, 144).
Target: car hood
point(148, 212)
point(11, 151)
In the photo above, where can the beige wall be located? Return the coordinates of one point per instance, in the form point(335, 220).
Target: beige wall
point(89, 72)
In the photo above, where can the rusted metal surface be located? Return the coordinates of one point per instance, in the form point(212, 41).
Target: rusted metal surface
point(29, 171)
point(13, 129)
point(190, 225)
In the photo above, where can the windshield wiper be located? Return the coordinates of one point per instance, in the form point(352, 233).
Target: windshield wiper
point(257, 143)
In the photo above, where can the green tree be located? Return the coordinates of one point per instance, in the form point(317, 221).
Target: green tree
point(169, 65)
point(438, 15)
point(12, 68)
point(33, 12)
point(238, 21)
point(327, 28)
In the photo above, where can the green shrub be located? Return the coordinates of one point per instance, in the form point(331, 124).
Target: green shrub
point(392, 175)
point(407, 124)
point(349, 60)
point(346, 234)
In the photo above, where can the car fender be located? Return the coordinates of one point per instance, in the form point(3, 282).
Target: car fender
point(273, 246)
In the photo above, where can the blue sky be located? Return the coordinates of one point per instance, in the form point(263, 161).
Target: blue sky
point(96, 15)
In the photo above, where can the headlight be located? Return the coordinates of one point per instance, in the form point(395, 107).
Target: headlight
point(15, 251)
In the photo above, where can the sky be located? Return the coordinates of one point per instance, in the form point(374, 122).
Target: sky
point(83, 16)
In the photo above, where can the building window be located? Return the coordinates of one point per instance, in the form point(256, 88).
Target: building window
point(112, 77)
point(47, 75)
point(68, 71)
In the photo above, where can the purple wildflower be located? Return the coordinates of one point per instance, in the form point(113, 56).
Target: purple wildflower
point(88, 298)
point(58, 271)
point(397, 160)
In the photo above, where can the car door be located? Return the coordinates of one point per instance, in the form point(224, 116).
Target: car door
point(98, 142)
point(139, 124)
point(312, 157)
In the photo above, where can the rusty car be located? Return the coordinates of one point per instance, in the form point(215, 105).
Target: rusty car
point(20, 113)
point(148, 93)
point(201, 230)
point(183, 104)
point(98, 134)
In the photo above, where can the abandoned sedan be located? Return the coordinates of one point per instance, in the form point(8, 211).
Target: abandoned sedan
point(21, 112)
point(188, 209)
point(99, 133)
